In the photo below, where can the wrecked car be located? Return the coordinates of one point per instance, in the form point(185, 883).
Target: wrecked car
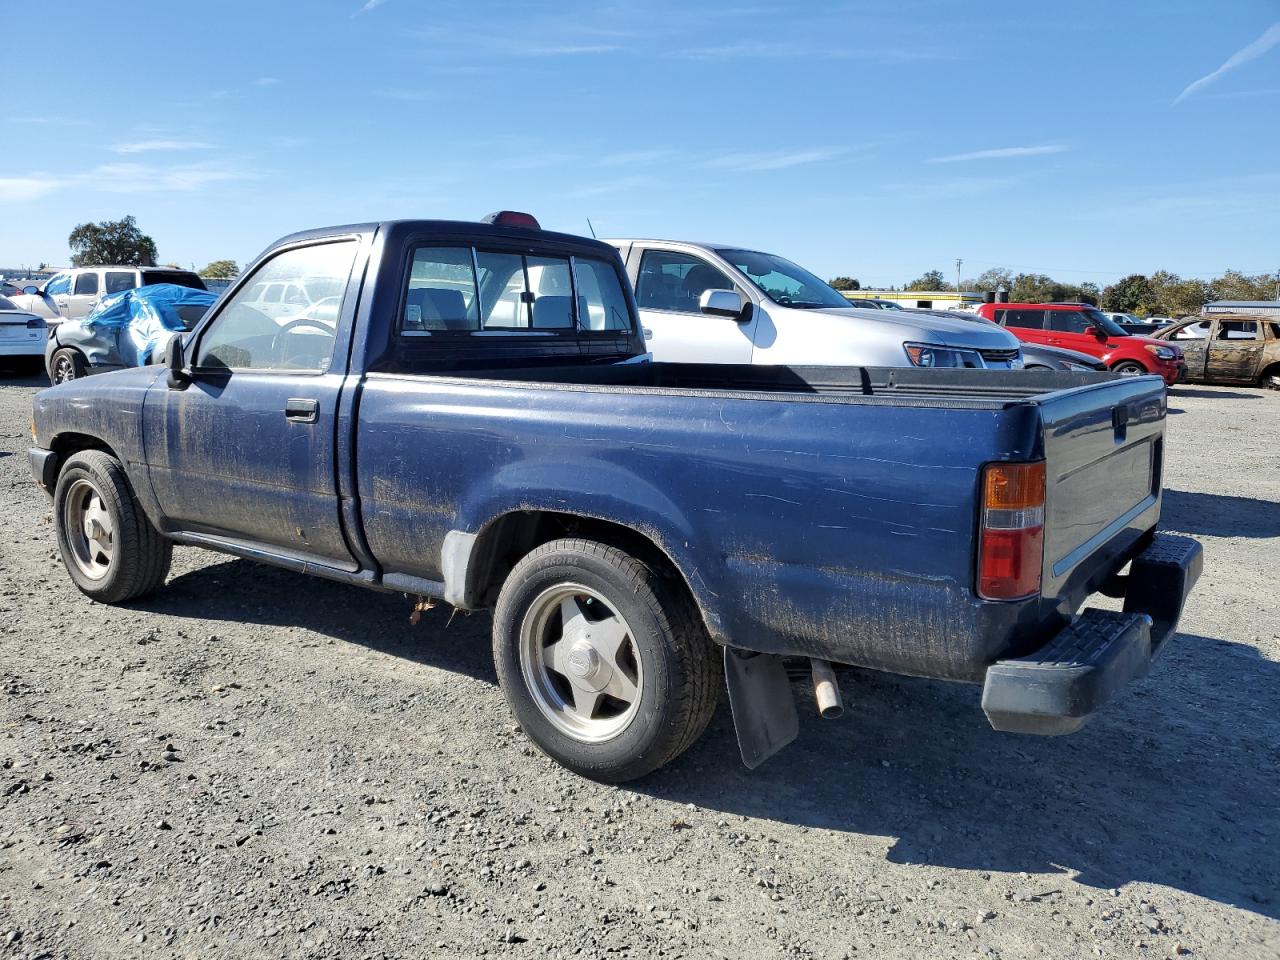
point(1229, 348)
point(124, 330)
point(479, 422)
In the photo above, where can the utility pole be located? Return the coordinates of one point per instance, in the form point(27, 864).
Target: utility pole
point(958, 262)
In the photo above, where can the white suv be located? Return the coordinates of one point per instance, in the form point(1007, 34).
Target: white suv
point(71, 294)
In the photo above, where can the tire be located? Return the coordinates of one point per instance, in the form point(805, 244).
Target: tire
point(1271, 379)
point(108, 545)
point(66, 364)
point(664, 671)
point(1129, 368)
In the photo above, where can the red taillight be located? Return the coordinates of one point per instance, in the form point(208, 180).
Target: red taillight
point(1011, 550)
point(513, 218)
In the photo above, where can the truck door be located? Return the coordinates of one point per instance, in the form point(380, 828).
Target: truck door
point(246, 451)
point(668, 287)
point(85, 292)
point(1193, 340)
point(1235, 351)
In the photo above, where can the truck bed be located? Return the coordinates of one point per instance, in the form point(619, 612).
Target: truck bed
point(814, 511)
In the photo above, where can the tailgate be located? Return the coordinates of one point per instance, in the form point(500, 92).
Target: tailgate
point(1103, 447)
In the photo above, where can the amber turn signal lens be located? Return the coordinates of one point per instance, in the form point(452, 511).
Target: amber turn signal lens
point(1013, 486)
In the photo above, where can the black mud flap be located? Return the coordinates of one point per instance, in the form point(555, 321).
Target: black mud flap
point(764, 711)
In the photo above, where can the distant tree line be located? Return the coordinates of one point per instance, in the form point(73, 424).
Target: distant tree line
point(1160, 294)
point(121, 243)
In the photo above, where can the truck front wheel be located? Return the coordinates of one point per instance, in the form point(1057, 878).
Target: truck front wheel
point(108, 545)
point(605, 664)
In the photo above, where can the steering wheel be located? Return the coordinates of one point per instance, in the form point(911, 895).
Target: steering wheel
point(278, 345)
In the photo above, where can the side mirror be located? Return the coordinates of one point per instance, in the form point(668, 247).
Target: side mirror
point(175, 360)
point(1098, 332)
point(722, 303)
point(30, 290)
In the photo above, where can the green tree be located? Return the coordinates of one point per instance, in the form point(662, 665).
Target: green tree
point(1174, 297)
point(111, 242)
point(223, 270)
point(1131, 294)
point(1041, 288)
point(1234, 285)
point(845, 283)
point(932, 280)
point(991, 279)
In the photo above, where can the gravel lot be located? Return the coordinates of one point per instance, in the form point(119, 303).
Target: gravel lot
point(252, 763)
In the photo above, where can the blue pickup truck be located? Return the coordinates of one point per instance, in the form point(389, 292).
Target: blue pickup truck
point(466, 411)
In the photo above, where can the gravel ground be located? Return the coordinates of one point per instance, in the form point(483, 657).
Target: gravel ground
point(253, 763)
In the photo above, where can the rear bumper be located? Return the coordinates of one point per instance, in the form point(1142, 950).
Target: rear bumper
point(1057, 688)
point(1173, 372)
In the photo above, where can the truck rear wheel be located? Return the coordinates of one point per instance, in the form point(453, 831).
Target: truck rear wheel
point(606, 665)
point(108, 545)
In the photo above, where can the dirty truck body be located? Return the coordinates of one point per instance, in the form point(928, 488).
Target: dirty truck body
point(840, 514)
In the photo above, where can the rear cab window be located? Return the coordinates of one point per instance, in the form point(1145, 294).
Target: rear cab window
point(183, 278)
point(120, 280)
point(471, 290)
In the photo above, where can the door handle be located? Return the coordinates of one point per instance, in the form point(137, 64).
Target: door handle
point(301, 411)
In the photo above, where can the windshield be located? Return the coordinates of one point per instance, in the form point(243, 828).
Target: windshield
point(783, 282)
point(1109, 326)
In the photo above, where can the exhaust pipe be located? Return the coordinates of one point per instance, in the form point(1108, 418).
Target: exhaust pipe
point(825, 689)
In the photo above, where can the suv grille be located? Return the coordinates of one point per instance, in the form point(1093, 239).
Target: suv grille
point(999, 356)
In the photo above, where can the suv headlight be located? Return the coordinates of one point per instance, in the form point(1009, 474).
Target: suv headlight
point(1164, 353)
point(927, 355)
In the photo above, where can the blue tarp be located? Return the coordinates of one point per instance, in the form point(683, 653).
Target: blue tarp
point(145, 318)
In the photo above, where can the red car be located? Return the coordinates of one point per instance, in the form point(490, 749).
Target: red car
point(1078, 326)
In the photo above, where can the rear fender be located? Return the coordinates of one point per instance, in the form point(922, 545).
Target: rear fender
point(588, 489)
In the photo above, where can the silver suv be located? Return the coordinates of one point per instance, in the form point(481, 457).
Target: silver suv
point(71, 294)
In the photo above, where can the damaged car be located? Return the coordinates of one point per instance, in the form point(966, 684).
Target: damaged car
point(125, 329)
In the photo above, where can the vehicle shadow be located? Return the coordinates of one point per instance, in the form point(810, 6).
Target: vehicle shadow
point(1218, 515)
point(241, 591)
point(1173, 784)
point(1212, 394)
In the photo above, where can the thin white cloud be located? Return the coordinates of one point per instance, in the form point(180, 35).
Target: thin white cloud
point(776, 50)
point(1001, 153)
point(570, 50)
point(148, 146)
point(266, 81)
point(1269, 39)
point(122, 178)
point(772, 160)
point(369, 5)
point(23, 189)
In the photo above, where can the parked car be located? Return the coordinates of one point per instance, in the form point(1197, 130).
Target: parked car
point(123, 330)
point(705, 304)
point(22, 334)
point(71, 294)
point(1229, 348)
point(1087, 330)
point(481, 425)
point(873, 304)
point(1035, 356)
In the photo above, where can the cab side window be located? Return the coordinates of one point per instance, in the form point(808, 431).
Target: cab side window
point(1027, 319)
point(675, 281)
point(119, 280)
point(298, 336)
point(1069, 321)
point(1237, 330)
point(86, 284)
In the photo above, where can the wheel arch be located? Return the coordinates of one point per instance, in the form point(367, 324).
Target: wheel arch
point(477, 565)
point(1270, 371)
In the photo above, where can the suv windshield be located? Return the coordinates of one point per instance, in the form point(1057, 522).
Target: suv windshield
point(1109, 326)
point(783, 282)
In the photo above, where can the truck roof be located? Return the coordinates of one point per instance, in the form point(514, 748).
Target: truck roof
point(471, 228)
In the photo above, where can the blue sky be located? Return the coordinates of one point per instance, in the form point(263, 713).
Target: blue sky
point(879, 140)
